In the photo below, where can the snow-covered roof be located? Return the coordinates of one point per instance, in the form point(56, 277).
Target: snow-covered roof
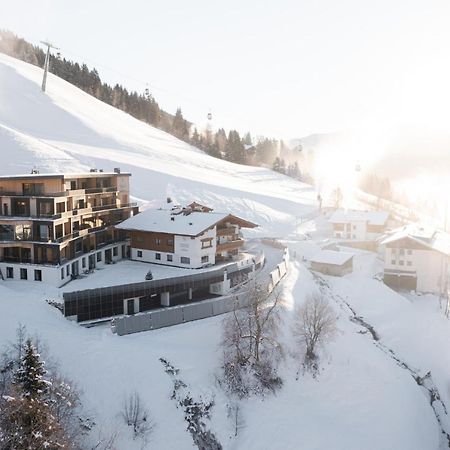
point(427, 236)
point(332, 257)
point(165, 221)
point(350, 215)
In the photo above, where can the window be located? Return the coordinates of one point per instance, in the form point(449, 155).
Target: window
point(409, 251)
point(169, 258)
point(205, 259)
point(23, 232)
point(115, 251)
point(83, 262)
point(338, 235)
point(354, 227)
point(23, 274)
point(60, 207)
point(408, 263)
point(44, 232)
point(394, 251)
point(185, 260)
point(139, 239)
point(158, 241)
point(158, 256)
point(38, 275)
point(67, 270)
point(402, 251)
point(62, 273)
point(139, 253)
point(353, 236)
point(9, 272)
point(99, 256)
point(393, 262)
point(207, 243)
point(169, 241)
point(401, 262)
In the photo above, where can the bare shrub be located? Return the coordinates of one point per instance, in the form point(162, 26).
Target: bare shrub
point(137, 416)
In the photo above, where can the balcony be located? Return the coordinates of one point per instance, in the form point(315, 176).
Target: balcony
point(100, 190)
point(226, 232)
point(229, 246)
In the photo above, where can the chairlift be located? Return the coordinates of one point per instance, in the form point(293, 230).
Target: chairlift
point(58, 55)
point(147, 92)
point(209, 116)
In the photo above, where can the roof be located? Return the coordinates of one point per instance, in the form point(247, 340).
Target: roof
point(61, 176)
point(332, 257)
point(165, 221)
point(427, 236)
point(198, 206)
point(371, 217)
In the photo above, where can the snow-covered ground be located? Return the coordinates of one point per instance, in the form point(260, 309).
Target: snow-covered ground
point(362, 399)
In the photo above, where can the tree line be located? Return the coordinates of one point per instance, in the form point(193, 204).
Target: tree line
point(230, 146)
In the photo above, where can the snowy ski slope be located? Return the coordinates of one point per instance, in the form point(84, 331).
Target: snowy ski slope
point(68, 130)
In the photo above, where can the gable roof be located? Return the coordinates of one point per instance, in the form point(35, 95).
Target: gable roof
point(350, 215)
point(427, 236)
point(166, 221)
point(333, 257)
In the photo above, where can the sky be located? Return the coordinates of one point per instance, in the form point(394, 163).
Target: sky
point(284, 69)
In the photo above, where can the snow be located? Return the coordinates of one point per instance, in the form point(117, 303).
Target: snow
point(362, 398)
point(371, 217)
point(163, 221)
point(331, 257)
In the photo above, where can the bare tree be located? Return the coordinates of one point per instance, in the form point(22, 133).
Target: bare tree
point(251, 349)
point(315, 325)
point(136, 415)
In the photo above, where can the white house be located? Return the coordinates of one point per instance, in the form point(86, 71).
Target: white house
point(417, 258)
point(362, 226)
point(184, 237)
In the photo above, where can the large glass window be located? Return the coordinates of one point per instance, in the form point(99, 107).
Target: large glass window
point(33, 188)
point(23, 232)
point(6, 233)
point(44, 232)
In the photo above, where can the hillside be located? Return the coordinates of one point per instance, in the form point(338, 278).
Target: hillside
point(68, 130)
point(362, 398)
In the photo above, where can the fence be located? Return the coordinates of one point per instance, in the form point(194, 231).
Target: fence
point(193, 311)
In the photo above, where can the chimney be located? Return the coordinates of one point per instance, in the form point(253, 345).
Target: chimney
point(172, 219)
point(116, 169)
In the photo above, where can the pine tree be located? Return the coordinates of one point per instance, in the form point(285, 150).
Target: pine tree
point(26, 421)
point(30, 375)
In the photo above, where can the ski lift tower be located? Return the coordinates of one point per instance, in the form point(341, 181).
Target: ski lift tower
point(46, 63)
